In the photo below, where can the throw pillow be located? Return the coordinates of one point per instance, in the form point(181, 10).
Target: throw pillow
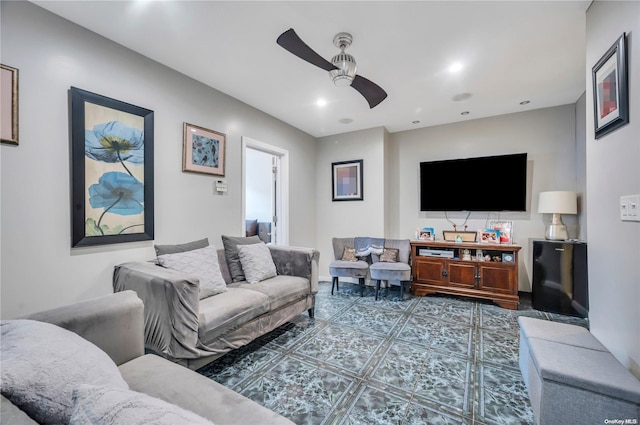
point(42, 364)
point(202, 263)
point(100, 405)
point(349, 254)
point(251, 227)
point(174, 249)
point(231, 252)
point(257, 262)
point(390, 255)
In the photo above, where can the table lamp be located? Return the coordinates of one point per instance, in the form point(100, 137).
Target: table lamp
point(556, 203)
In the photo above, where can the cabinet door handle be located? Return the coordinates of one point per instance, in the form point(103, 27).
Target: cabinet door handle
point(559, 249)
point(445, 273)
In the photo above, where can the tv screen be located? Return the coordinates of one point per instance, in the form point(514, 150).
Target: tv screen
point(490, 183)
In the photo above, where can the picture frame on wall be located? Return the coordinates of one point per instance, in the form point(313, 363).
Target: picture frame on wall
point(346, 180)
point(9, 104)
point(610, 89)
point(111, 170)
point(203, 150)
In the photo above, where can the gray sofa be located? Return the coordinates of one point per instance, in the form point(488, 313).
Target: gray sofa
point(193, 332)
point(114, 323)
point(572, 378)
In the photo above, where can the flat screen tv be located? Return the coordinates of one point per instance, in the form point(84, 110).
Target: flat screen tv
point(490, 183)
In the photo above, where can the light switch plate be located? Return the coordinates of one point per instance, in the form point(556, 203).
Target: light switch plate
point(630, 208)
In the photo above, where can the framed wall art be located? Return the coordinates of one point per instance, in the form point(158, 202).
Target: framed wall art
point(111, 170)
point(346, 180)
point(610, 90)
point(203, 150)
point(9, 104)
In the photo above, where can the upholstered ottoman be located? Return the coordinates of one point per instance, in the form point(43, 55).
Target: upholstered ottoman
point(571, 378)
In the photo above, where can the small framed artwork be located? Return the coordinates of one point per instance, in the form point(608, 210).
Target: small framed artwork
point(9, 104)
point(203, 150)
point(426, 234)
point(489, 236)
point(505, 229)
point(111, 170)
point(346, 180)
point(610, 90)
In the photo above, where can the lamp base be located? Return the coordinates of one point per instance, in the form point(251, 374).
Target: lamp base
point(556, 230)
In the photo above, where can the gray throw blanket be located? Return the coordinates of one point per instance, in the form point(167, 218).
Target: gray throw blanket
point(366, 245)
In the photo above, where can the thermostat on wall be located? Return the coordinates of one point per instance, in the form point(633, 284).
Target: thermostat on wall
point(221, 186)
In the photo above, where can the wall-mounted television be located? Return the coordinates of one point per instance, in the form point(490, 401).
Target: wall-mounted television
point(489, 183)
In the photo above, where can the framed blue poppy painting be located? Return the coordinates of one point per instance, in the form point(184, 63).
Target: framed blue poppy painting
point(111, 170)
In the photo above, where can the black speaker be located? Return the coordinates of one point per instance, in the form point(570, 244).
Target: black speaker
point(560, 282)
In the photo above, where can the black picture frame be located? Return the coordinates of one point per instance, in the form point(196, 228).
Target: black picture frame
point(610, 89)
point(111, 170)
point(347, 180)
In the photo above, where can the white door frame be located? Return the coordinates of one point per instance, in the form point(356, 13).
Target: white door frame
point(283, 185)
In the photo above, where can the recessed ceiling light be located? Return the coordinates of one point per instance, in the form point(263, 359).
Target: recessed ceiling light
point(464, 113)
point(345, 120)
point(415, 122)
point(321, 102)
point(525, 102)
point(455, 67)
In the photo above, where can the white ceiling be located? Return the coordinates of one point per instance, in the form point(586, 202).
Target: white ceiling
point(511, 50)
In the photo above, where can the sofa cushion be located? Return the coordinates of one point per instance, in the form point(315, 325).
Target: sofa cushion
point(256, 261)
point(100, 405)
point(349, 254)
point(231, 252)
point(202, 263)
point(389, 255)
point(229, 310)
point(43, 363)
point(184, 247)
point(176, 384)
point(281, 290)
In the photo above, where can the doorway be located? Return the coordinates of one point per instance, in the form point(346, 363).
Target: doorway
point(265, 188)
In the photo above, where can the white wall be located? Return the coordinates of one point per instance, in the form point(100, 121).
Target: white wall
point(259, 185)
point(613, 170)
point(350, 218)
point(39, 269)
point(547, 135)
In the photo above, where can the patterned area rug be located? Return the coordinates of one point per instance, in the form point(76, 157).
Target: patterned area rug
point(421, 360)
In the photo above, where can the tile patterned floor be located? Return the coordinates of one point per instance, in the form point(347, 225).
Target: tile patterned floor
point(423, 360)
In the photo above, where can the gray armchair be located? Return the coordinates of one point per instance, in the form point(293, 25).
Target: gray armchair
point(339, 268)
point(393, 272)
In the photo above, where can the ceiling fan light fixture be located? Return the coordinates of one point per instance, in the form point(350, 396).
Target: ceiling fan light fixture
point(346, 64)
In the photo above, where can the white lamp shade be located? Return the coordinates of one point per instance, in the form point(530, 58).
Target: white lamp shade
point(558, 202)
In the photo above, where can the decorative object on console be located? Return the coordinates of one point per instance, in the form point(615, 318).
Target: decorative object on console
point(610, 90)
point(112, 165)
point(505, 228)
point(556, 203)
point(490, 236)
point(427, 234)
point(9, 104)
point(464, 236)
point(203, 150)
point(346, 180)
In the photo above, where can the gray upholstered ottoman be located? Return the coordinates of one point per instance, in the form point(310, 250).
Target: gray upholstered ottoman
point(572, 378)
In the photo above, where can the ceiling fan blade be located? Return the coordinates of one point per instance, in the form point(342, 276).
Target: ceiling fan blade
point(372, 92)
point(290, 41)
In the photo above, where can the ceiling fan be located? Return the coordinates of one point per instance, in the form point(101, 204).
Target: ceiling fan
point(342, 68)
